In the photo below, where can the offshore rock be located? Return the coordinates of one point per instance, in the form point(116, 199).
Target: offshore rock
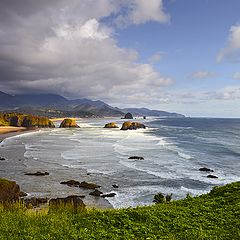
point(211, 176)
point(96, 193)
point(111, 125)
point(37, 174)
point(108, 195)
point(88, 185)
point(128, 116)
point(132, 126)
point(136, 158)
point(71, 183)
point(204, 169)
point(69, 123)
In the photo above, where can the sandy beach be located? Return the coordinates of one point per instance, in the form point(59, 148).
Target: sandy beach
point(6, 132)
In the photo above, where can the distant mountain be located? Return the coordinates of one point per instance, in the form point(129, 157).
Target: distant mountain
point(53, 105)
point(154, 113)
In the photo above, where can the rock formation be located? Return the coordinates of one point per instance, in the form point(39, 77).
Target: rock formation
point(128, 116)
point(69, 123)
point(111, 125)
point(73, 201)
point(132, 126)
point(24, 120)
point(37, 174)
point(9, 190)
point(204, 169)
point(136, 158)
point(71, 183)
point(88, 185)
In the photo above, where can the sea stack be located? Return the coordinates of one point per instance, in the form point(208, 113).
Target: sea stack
point(111, 125)
point(132, 126)
point(69, 123)
point(128, 116)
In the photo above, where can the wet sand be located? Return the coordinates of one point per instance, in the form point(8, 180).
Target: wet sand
point(6, 132)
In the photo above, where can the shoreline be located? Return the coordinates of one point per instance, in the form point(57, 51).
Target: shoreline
point(15, 157)
point(6, 132)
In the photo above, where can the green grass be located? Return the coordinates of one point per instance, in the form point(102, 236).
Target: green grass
point(212, 216)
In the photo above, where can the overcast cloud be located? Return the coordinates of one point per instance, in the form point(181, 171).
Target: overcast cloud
point(51, 46)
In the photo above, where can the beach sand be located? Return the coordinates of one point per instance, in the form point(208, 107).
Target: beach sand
point(6, 132)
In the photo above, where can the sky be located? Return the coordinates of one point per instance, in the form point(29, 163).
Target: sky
point(174, 55)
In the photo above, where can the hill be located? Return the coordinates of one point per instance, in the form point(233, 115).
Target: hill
point(215, 215)
point(53, 105)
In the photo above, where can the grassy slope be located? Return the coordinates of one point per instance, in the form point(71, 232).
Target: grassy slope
point(212, 216)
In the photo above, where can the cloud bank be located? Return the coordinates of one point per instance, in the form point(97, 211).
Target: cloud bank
point(67, 49)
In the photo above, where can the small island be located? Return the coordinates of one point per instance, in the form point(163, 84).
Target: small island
point(69, 123)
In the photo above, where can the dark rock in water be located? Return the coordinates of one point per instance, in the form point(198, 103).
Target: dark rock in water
point(132, 126)
point(9, 190)
point(128, 116)
point(37, 174)
point(2, 159)
point(74, 201)
point(204, 169)
point(111, 125)
point(108, 195)
point(22, 194)
point(69, 123)
point(96, 193)
point(144, 117)
point(71, 183)
point(136, 157)
point(115, 186)
point(35, 202)
point(211, 176)
point(88, 185)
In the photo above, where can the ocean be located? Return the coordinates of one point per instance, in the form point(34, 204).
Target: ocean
point(173, 150)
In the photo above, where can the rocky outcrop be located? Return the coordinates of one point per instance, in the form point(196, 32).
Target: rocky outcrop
point(115, 186)
point(96, 193)
point(24, 120)
point(71, 183)
point(35, 202)
point(132, 126)
point(211, 176)
point(2, 159)
point(37, 174)
point(88, 185)
point(111, 125)
point(136, 158)
point(204, 169)
point(69, 123)
point(9, 190)
point(108, 195)
point(73, 201)
point(128, 116)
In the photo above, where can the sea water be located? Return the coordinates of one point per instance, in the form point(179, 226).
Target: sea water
point(173, 151)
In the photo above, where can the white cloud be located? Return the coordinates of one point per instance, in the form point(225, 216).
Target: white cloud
point(231, 51)
point(202, 75)
point(66, 49)
point(236, 75)
point(142, 11)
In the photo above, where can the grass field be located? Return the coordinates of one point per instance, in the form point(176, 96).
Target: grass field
point(212, 216)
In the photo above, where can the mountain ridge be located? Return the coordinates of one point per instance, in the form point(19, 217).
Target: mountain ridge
point(53, 105)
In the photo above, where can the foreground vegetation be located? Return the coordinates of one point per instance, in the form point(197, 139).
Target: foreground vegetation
point(212, 216)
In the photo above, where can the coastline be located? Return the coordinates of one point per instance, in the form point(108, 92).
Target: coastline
point(6, 132)
point(16, 162)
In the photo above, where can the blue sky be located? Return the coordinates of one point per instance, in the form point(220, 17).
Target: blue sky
point(173, 55)
point(190, 43)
